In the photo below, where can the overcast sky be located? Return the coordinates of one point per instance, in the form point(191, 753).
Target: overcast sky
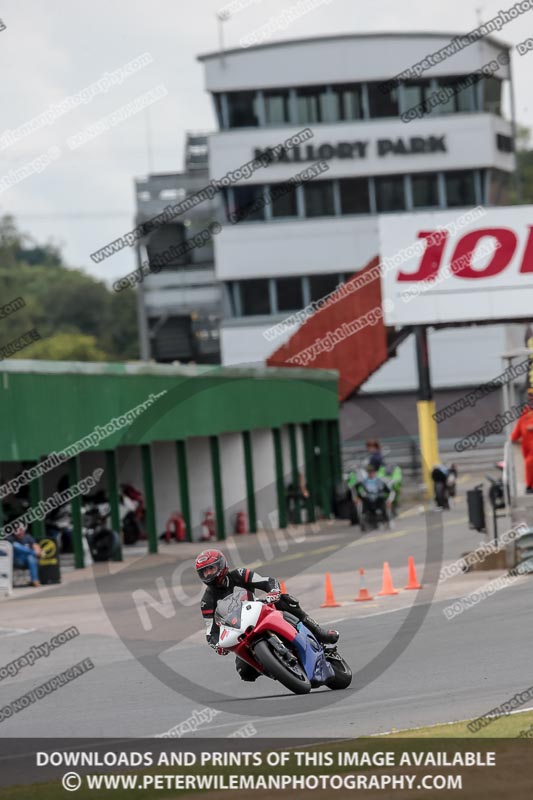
point(84, 198)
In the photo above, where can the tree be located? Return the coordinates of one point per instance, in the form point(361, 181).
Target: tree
point(61, 302)
point(65, 347)
point(73, 299)
point(10, 241)
point(122, 331)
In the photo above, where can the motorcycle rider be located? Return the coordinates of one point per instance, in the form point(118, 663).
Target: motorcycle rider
point(393, 476)
point(375, 487)
point(212, 569)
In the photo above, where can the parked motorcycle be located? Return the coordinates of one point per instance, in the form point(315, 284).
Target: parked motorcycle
point(452, 481)
point(102, 540)
point(129, 521)
point(58, 526)
point(132, 513)
point(497, 489)
point(444, 484)
point(13, 508)
point(283, 650)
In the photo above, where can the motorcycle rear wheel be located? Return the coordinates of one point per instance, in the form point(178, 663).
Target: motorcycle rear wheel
point(268, 658)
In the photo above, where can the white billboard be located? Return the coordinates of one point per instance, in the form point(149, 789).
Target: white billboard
point(457, 266)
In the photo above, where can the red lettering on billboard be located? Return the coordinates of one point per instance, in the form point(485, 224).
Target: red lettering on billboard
point(527, 260)
point(461, 260)
point(501, 257)
point(431, 259)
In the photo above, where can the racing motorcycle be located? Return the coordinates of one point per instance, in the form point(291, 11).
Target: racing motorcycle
point(278, 645)
point(375, 495)
point(393, 477)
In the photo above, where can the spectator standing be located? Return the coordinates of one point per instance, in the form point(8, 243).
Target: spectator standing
point(26, 553)
point(374, 453)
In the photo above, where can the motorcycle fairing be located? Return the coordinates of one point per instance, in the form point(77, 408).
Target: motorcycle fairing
point(312, 658)
point(244, 623)
point(271, 621)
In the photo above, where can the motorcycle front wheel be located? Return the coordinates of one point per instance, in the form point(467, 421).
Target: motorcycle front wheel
point(343, 674)
point(290, 675)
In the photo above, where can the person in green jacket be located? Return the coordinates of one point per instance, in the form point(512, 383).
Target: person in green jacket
point(393, 476)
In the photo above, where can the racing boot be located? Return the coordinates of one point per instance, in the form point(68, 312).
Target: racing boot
point(324, 636)
point(291, 604)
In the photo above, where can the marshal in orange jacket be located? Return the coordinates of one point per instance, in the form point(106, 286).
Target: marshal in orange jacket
point(523, 433)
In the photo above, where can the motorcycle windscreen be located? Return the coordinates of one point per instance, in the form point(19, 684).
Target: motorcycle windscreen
point(228, 611)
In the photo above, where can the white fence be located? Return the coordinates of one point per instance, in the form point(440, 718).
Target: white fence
point(6, 569)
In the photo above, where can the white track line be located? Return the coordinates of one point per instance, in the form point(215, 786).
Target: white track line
point(455, 722)
point(223, 725)
point(5, 632)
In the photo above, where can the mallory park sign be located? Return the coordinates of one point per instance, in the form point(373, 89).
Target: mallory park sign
point(356, 149)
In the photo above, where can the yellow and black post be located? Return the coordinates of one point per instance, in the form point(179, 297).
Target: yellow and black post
point(427, 426)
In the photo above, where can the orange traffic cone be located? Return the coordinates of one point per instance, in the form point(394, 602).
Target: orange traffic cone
point(329, 602)
point(412, 582)
point(387, 587)
point(363, 591)
point(283, 587)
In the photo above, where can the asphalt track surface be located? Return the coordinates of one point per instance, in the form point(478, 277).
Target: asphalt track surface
point(412, 666)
